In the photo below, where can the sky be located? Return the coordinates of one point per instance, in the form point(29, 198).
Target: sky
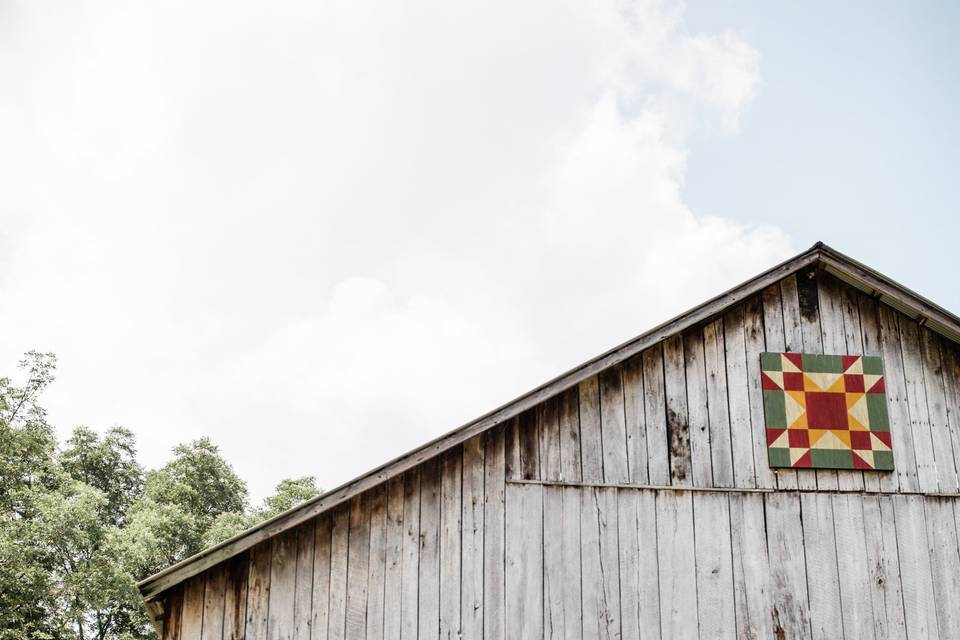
point(324, 233)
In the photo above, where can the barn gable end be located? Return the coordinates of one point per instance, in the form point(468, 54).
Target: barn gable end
point(631, 498)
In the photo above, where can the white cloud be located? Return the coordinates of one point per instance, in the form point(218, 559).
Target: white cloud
point(324, 232)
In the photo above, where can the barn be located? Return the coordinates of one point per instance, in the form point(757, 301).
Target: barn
point(779, 462)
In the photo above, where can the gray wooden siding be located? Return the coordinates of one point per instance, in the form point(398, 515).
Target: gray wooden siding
point(639, 505)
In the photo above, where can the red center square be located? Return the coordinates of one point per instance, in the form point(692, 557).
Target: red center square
point(826, 410)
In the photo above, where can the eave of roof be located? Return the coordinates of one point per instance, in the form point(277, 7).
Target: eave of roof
point(836, 263)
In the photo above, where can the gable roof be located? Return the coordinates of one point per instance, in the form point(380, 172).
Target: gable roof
point(819, 255)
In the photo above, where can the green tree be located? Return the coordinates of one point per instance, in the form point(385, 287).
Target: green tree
point(80, 526)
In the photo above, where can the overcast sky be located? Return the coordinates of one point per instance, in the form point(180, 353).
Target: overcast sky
point(324, 232)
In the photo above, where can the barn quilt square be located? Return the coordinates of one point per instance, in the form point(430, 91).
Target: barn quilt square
point(825, 411)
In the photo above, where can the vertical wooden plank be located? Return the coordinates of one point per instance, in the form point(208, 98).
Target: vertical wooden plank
point(561, 563)
point(856, 602)
point(714, 565)
point(494, 517)
point(322, 543)
point(410, 549)
point(751, 569)
point(951, 377)
point(258, 591)
point(450, 513)
point(917, 406)
point(870, 334)
point(790, 614)
point(591, 443)
point(793, 331)
point(393, 580)
point(755, 344)
point(548, 421)
point(339, 544)
point(821, 552)
point(775, 341)
point(512, 449)
point(944, 562)
point(738, 398)
point(471, 594)
point(678, 572)
point(635, 420)
point(358, 567)
point(883, 567)
point(900, 429)
point(628, 543)
point(377, 564)
point(678, 422)
point(529, 445)
point(718, 413)
point(235, 598)
point(524, 560)
point(916, 575)
point(429, 584)
point(600, 563)
point(191, 623)
point(613, 427)
point(699, 423)
point(283, 582)
point(655, 412)
point(214, 598)
point(303, 599)
point(569, 408)
point(937, 411)
point(174, 614)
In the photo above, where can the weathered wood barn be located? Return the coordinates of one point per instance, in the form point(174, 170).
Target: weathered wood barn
point(716, 477)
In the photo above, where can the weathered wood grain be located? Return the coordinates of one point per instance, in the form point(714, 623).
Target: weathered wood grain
point(718, 412)
point(935, 391)
point(303, 589)
point(793, 331)
point(569, 409)
point(775, 341)
point(529, 445)
point(393, 579)
point(322, 544)
point(191, 623)
point(655, 414)
point(919, 602)
point(524, 561)
point(339, 545)
point(714, 566)
point(883, 567)
point(678, 422)
point(450, 569)
point(600, 563)
point(214, 599)
point(283, 583)
point(174, 614)
point(901, 433)
point(561, 563)
point(697, 417)
point(235, 598)
point(754, 345)
point(916, 394)
point(820, 548)
point(677, 566)
point(636, 426)
point(548, 423)
point(258, 591)
point(591, 444)
point(856, 602)
point(428, 584)
point(377, 563)
point(870, 333)
point(944, 562)
point(494, 519)
point(613, 427)
point(790, 614)
point(738, 397)
point(472, 522)
point(751, 568)
point(358, 567)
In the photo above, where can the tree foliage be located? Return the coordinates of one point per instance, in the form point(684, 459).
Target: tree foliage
point(82, 523)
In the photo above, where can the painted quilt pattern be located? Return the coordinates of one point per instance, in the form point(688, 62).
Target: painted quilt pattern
point(825, 411)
